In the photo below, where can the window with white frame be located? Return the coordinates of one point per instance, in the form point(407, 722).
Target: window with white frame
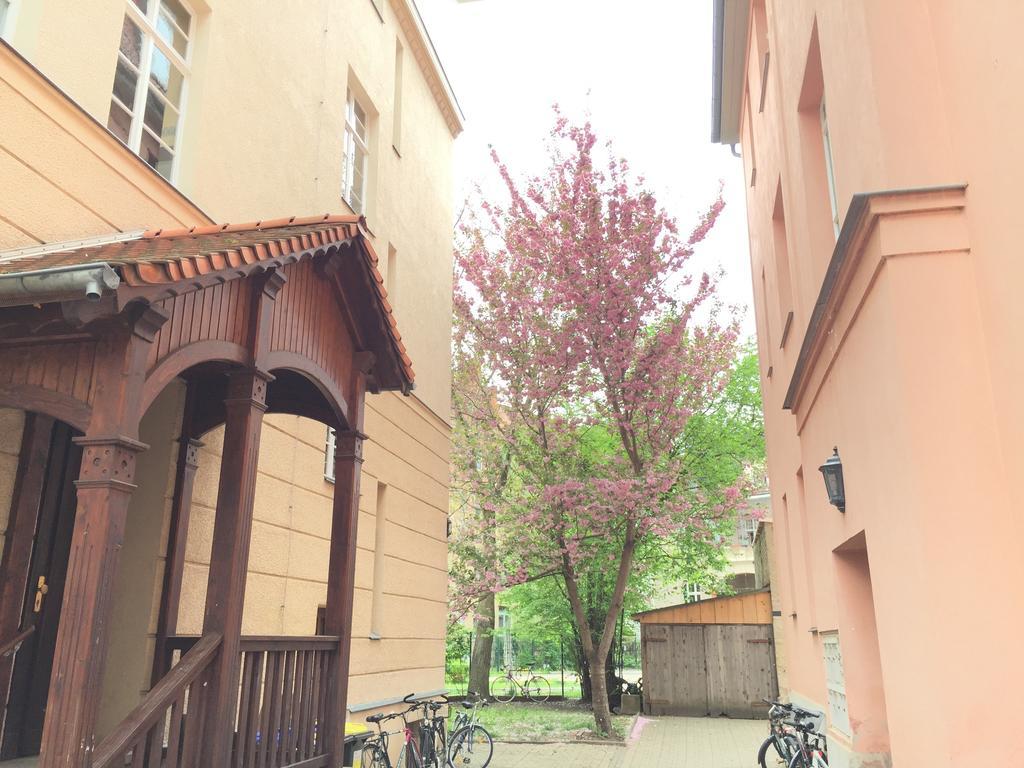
point(151, 80)
point(835, 682)
point(829, 170)
point(746, 530)
point(330, 443)
point(692, 593)
point(357, 154)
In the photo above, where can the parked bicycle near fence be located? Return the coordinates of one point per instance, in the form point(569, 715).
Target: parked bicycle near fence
point(469, 743)
point(506, 687)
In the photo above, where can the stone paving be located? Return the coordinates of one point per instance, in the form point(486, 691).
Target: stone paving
point(672, 742)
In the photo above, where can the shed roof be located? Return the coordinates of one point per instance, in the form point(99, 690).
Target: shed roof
point(746, 608)
point(219, 251)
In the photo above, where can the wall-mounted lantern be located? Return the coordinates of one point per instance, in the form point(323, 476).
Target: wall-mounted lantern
point(832, 471)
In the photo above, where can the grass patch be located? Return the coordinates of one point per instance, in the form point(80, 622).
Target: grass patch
point(553, 721)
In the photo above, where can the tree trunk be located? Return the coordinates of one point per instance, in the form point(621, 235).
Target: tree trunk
point(599, 688)
point(483, 643)
point(597, 653)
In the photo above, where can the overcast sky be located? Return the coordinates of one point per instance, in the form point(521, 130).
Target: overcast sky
point(643, 71)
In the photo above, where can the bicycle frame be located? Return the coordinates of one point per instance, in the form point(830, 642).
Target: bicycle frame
point(409, 743)
point(510, 675)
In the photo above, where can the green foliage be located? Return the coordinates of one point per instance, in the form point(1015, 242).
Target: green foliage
point(720, 442)
point(457, 643)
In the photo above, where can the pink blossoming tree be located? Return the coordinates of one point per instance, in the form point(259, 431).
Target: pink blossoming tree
point(580, 359)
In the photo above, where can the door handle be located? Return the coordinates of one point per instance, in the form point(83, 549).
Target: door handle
point(41, 589)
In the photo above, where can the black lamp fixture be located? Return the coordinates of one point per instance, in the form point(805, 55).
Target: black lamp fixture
point(832, 471)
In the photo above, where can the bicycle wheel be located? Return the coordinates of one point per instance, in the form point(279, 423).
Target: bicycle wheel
point(784, 751)
point(787, 745)
point(372, 757)
point(437, 749)
point(503, 689)
point(799, 760)
point(470, 747)
point(538, 689)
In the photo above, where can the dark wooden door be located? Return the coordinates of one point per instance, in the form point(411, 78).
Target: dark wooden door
point(51, 544)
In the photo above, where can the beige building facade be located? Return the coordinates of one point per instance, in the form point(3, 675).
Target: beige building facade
point(122, 115)
point(881, 201)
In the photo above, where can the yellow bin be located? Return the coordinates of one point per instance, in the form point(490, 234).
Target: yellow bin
point(355, 736)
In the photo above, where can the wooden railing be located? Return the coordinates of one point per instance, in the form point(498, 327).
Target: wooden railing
point(166, 729)
point(282, 702)
point(10, 647)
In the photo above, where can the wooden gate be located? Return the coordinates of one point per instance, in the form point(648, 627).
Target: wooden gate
point(708, 669)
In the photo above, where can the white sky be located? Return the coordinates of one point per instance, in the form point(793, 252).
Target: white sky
point(641, 68)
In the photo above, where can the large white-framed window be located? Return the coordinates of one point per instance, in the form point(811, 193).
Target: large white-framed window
point(329, 445)
point(357, 154)
point(835, 682)
point(151, 81)
point(829, 169)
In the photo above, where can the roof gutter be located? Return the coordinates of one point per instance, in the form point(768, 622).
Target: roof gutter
point(79, 281)
point(716, 71)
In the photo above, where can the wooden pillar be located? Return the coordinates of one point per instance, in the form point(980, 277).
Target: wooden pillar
point(348, 466)
point(177, 537)
point(105, 484)
point(105, 487)
point(229, 561)
point(348, 462)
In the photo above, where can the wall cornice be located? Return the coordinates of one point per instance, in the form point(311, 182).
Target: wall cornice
point(878, 226)
point(412, 25)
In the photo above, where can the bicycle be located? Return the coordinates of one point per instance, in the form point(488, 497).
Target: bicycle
point(779, 734)
point(812, 749)
point(503, 687)
point(415, 755)
point(470, 745)
point(433, 731)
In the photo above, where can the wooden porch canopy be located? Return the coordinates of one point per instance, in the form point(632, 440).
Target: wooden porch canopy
point(286, 316)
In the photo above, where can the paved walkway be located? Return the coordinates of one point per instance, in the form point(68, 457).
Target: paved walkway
point(669, 742)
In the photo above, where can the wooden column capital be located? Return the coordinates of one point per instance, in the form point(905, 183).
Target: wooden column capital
point(191, 447)
point(248, 388)
point(108, 461)
point(348, 446)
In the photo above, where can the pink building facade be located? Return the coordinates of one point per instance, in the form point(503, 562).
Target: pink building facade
point(885, 241)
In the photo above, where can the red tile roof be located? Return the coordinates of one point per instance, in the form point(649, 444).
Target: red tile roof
point(170, 255)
